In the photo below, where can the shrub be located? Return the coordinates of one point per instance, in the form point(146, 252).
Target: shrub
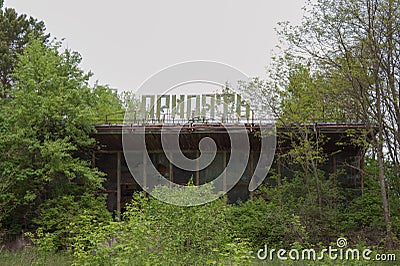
point(60, 220)
point(155, 233)
point(262, 223)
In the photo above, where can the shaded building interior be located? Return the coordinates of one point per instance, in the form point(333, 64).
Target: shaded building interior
point(344, 158)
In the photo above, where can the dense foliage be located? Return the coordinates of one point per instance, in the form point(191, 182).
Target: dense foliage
point(351, 46)
point(340, 65)
point(150, 233)
point(45, 125)
point(14, 36)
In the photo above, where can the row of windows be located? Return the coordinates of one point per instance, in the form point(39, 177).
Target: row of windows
point(107, 162)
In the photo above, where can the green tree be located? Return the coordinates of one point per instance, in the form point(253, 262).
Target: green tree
point(108, 105)
point(14, 36)
point(353, 44)
point(46, 132)
point(155, 233)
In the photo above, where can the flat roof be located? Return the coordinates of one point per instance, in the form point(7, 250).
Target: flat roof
point(109, 136)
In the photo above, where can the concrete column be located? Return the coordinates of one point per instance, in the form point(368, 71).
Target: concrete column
point(119, 184)
point(197, 169)
point(144, 169)
point(251, 171)
point(224, 168)
point(171, 172)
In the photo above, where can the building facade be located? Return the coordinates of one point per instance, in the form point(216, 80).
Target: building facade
point(343, 157)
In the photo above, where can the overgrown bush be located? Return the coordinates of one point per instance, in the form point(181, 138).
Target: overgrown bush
point(262, 222)
point(289, 214)
point(60, 220)
point(155, 233)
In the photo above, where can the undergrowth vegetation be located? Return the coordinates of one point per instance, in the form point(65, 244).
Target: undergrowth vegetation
point(151, 232)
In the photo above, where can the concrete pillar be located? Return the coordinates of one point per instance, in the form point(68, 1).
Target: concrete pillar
point(119, 184)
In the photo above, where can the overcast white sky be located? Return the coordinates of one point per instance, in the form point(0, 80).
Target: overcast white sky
point(125, 41)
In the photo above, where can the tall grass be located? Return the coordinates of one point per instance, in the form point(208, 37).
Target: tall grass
point(30, 256)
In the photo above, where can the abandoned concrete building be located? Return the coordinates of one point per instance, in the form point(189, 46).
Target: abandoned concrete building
point(195, 117)
point(343, 157)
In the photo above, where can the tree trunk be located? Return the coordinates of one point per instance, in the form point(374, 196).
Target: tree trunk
point(382, 183)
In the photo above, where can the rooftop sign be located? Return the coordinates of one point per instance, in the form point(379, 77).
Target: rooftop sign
point(159, 101)
point(218, 107)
